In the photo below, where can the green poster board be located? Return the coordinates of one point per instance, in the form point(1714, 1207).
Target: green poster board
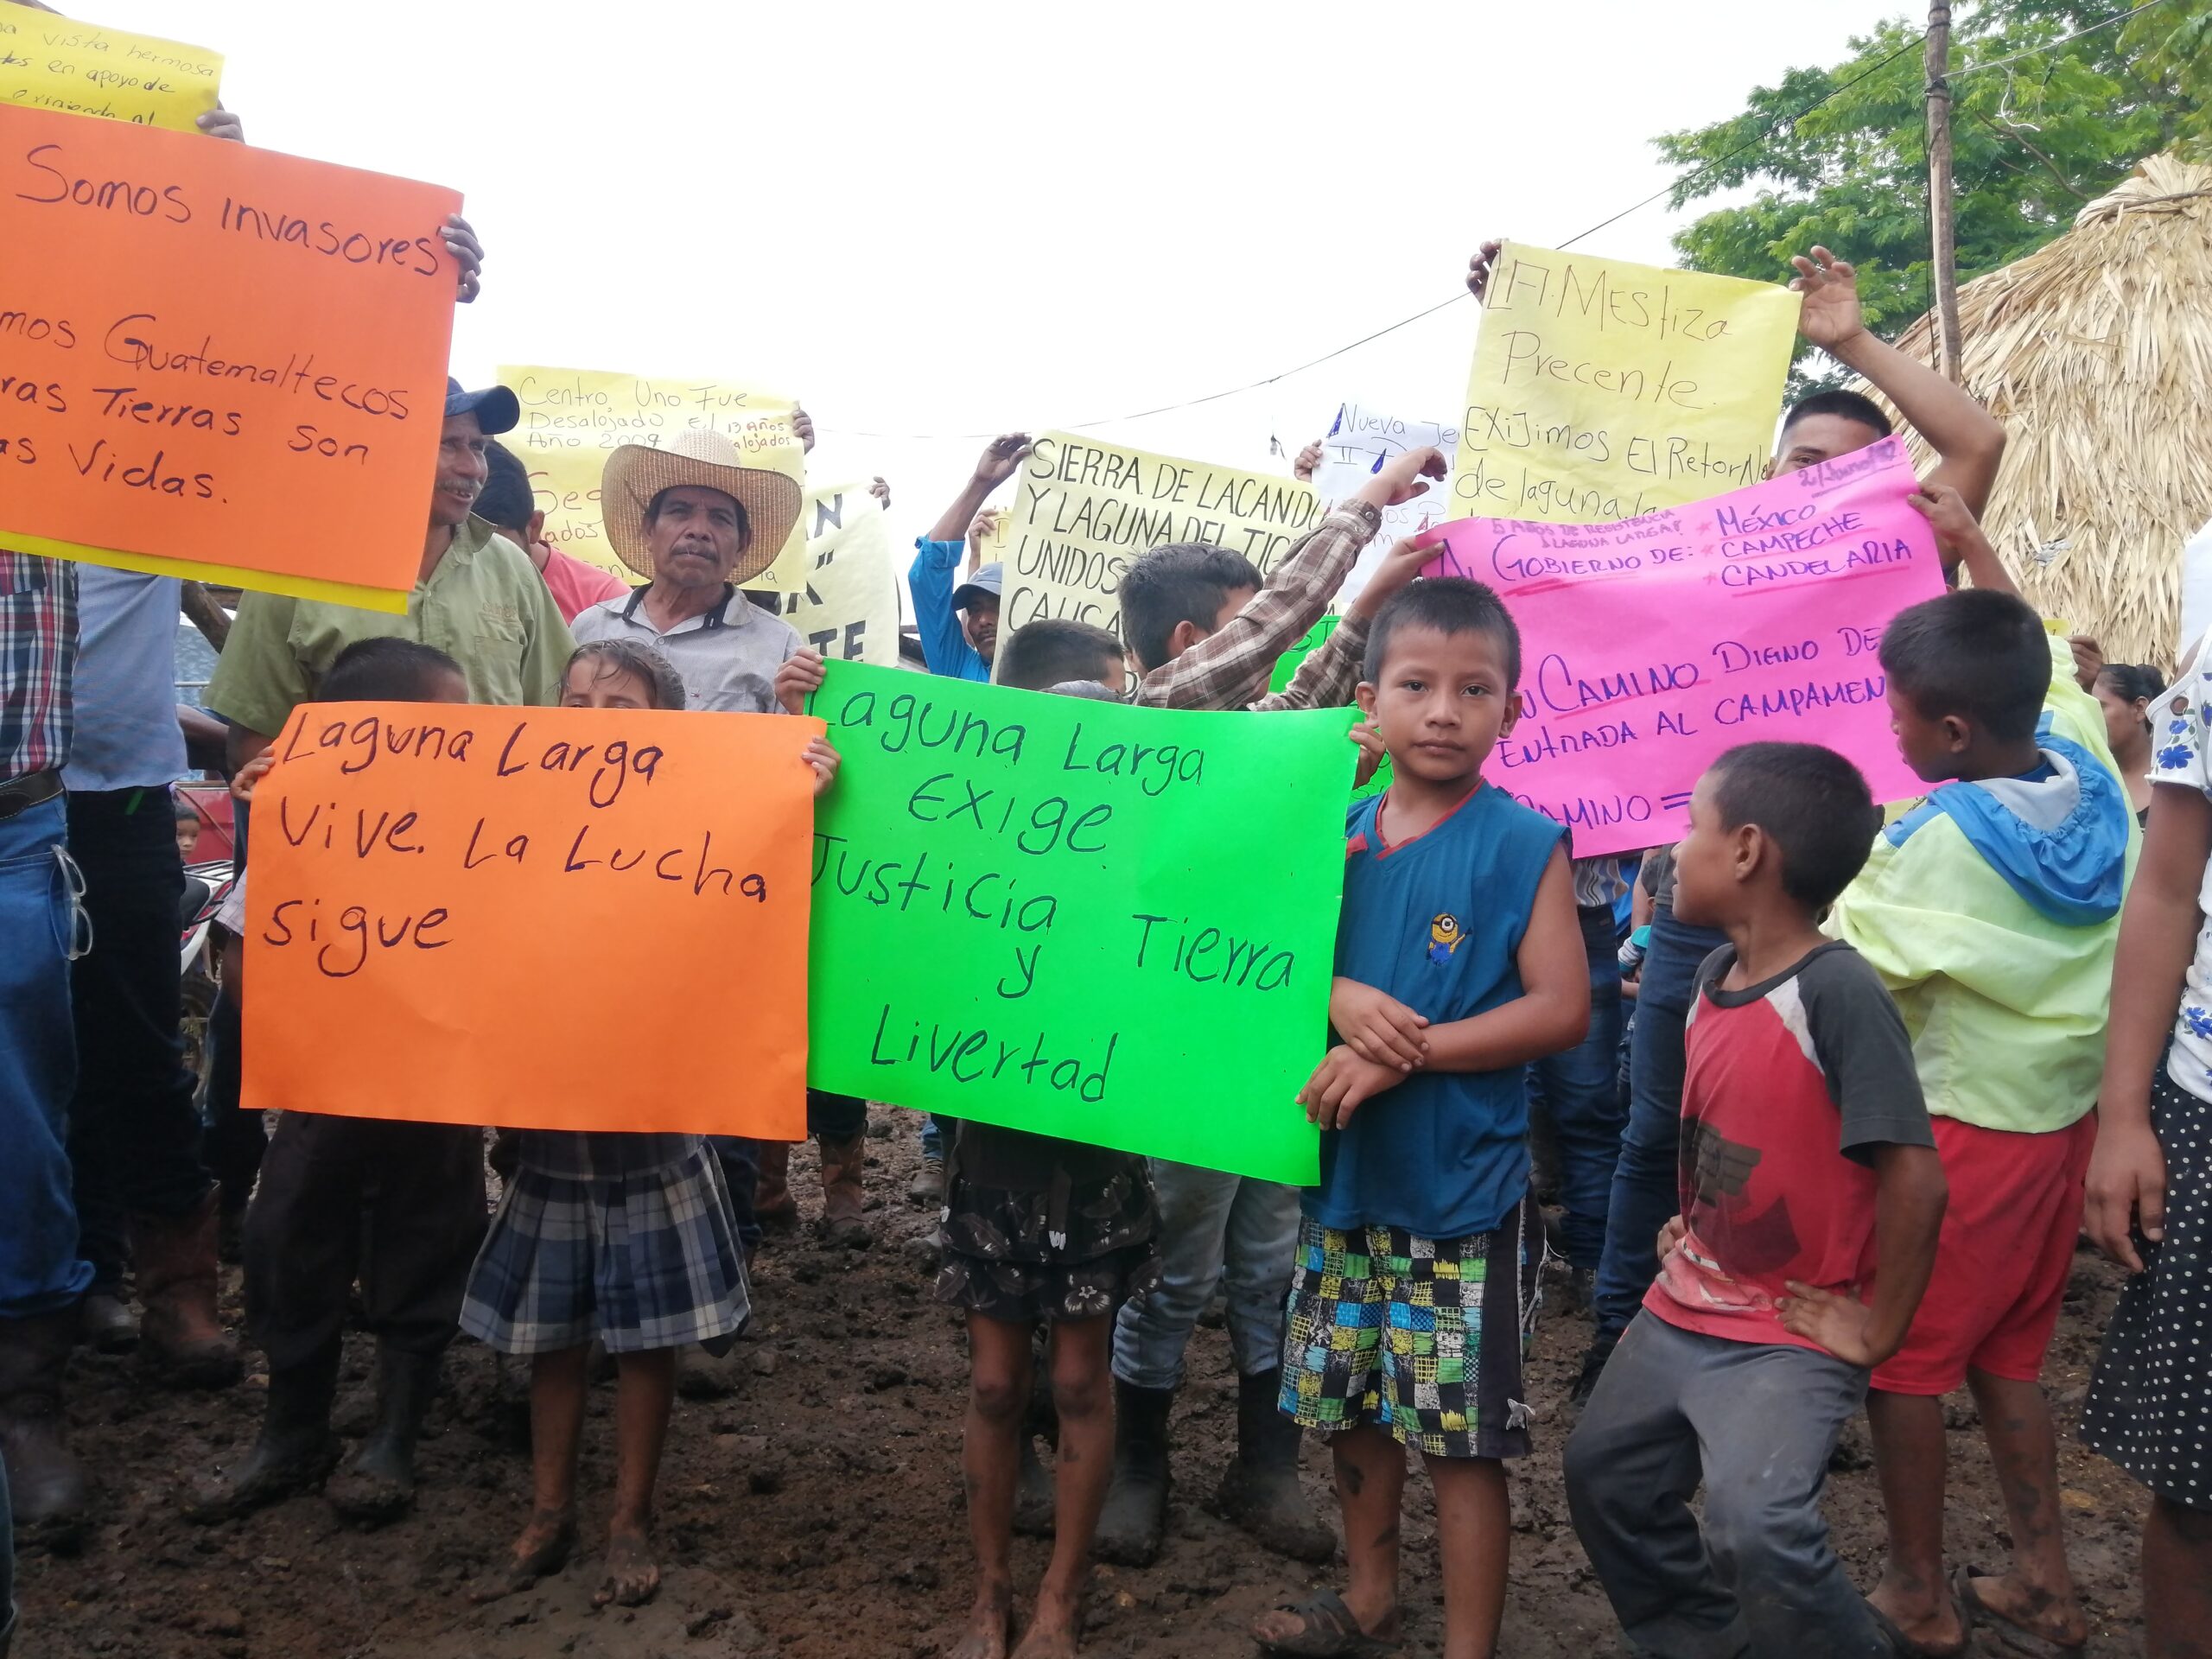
point(1083, 919)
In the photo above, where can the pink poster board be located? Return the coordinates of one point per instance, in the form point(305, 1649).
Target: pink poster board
point(1649, 646)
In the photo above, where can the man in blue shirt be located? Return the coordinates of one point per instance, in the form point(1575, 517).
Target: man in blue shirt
point(960, 625)
point(133, 1129)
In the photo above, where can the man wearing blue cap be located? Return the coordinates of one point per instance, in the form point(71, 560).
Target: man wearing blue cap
point(960, 625)
point(477, 598)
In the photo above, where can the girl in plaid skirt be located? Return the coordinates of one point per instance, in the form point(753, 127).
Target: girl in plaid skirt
point(626, 1238)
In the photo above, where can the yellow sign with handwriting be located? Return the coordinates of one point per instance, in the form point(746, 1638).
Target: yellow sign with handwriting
point(49, 62)
point(1087, 510)
point(1602, 389)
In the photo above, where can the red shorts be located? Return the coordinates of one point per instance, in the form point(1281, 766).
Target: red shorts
point(2002, 1261)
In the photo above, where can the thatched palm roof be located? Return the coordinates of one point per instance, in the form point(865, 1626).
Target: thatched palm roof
point(2095, 351)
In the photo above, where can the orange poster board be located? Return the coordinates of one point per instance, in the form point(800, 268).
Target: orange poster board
point(217, 361)
point(575, 918)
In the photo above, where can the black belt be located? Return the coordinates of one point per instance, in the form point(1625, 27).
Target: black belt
point(33, 789)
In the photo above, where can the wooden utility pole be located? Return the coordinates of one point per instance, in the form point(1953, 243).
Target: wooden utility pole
point(1941, 209)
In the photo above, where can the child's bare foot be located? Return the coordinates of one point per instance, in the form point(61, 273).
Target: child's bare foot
point(633, 1576)
point(542, 1551)
point(989, 1620)
point(1051, 1632)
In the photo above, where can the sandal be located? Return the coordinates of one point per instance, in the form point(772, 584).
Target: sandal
point(2013, 1634)
point(1331, 1632)
point(1905, 1648)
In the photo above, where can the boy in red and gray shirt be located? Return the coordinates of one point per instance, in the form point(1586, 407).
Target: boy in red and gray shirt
point(1811, 1198)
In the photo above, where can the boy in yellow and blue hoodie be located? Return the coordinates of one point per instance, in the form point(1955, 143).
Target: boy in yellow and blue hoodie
point(1990, 910)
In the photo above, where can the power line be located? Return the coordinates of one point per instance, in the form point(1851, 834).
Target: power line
point(1757, 138)
point(2048, 46)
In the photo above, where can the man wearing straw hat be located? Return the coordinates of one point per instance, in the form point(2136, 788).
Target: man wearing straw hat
point(700, 525)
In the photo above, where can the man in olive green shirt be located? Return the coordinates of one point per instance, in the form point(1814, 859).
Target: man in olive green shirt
point(478, 599)
point(413, 1231)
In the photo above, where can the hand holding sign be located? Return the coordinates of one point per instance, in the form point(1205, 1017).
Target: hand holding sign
point(1404, 478)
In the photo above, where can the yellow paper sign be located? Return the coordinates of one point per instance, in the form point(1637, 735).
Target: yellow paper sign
point(1602, 389)
point(573, 419)
point(846, 602)
point(59, 63)
point(1087, 510)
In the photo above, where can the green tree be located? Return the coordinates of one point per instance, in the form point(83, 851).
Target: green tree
point(2051, 124)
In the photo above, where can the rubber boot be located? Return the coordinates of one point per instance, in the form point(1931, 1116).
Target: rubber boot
point(379, 1487)
point(843, 1196)
point(1259, 1490)
point(1135, 1519)
point(106, 1318)
point(773, 1206)
point(927, 1188)
point(295, 1450)
point(181, 1338)
point(46, 1493)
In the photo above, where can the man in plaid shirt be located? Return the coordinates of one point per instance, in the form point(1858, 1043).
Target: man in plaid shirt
point(1206, 630)
point(41, 1275)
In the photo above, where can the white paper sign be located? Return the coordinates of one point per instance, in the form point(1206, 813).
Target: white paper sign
point(1362, 440)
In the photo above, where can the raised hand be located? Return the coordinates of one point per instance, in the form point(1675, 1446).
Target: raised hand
point(1001, 458)
point(1400, 480)
point(467, 253)
point(1479, 267)
point(1831, 316)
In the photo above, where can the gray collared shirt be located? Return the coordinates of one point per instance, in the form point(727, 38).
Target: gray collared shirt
point(727, 657)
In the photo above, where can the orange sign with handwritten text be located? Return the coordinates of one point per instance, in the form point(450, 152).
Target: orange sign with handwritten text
point(217, 361)
point(560, 918)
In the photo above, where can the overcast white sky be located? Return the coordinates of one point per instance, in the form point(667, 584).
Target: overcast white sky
point(962, 217)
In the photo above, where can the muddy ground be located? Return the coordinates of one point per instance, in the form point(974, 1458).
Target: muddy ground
point(816, 1513)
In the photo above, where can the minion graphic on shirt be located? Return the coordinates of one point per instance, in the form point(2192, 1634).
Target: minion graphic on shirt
point(1444, 936)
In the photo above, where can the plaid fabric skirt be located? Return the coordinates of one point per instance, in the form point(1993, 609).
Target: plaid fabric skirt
point(641, 1261)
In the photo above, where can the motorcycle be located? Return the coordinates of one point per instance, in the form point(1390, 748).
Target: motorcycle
point(206, 887)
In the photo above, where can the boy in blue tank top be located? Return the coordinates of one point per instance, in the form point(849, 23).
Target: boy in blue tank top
point(1459, 961)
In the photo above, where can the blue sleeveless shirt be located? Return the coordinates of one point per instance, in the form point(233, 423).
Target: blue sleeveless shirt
point(1437, 921)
